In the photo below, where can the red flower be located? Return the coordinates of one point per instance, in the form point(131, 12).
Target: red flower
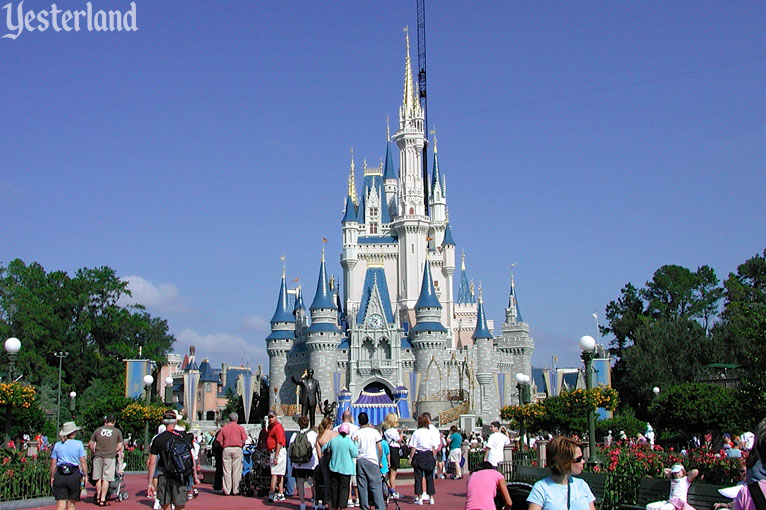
point(11, 444)
point(6, 460)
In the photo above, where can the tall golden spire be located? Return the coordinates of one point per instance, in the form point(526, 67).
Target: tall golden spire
point(408, 101)
point(352, 180)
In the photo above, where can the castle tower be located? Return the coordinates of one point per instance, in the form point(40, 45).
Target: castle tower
point(516, 346)
point(437, 200)
point(323, 335)
point(389, 181)
point(448, 270)
point(429, 340)
point(350, 226)
point(299, 312)
point(411, 225)
point(485, 366)
point(278, 344)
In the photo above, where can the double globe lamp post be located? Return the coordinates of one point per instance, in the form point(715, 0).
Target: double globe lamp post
point(522, 385)
point(588, 348)
point(12, 348)
point(148, 381)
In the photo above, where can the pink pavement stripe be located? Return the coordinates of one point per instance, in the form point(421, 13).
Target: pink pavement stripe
point(450, 495)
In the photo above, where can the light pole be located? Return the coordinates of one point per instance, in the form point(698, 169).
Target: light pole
point(72, 396)
point(168, 390)
point(12, 348)
point(148, 381)
point(522, 383)
point(60, 355)
point(656, 391)
point(588, 346)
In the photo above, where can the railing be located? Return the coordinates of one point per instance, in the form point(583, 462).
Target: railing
point(31, 481)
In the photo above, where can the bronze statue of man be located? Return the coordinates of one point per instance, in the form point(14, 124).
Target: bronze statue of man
point(311, 394)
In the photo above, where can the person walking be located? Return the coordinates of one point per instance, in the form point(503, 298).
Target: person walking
point(562, 490)
point(105, 443)
point(483, 486)
point(305, 470)
point(455, 451)
point(344, 451)
point(275, 444)
point(217, 450)
point(326, 433)
point(68, 468)
point(232, 438)
point(493, 451)
point(422, 445)
point(170, 491)
point(368, 464)
point(392, 436)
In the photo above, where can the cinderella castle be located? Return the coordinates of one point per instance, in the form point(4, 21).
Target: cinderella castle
point(392, 335)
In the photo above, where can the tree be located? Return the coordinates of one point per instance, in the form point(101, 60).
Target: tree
point(53, 312)
point(661, 331)
point(696, 408)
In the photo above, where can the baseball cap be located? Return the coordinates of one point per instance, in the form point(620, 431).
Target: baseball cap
point(677, 468)
point(169, 415)
point(344, 428)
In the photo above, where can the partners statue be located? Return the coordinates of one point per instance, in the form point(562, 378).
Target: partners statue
point(311, 394)
point(328, 409)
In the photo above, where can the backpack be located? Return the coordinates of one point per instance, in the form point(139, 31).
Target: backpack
point(177, 457)
point(300, 449)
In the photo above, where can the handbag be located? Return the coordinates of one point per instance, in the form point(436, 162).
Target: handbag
point(404, 449)
point(66, 469)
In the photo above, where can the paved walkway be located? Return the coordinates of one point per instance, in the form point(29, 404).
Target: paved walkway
point(450, 495)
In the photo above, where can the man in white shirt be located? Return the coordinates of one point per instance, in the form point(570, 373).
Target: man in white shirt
point(368, 479)
point(493, 451)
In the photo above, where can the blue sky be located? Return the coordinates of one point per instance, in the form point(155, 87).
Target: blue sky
point(589, 142)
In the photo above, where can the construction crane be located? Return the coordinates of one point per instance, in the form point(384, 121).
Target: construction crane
point(422, 91)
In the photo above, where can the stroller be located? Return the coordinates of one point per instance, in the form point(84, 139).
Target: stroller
point(117, 489)
point(256, 472)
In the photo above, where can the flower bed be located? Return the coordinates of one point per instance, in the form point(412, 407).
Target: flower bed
point(23, 477)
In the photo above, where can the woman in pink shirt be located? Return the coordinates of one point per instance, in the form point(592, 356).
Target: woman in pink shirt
point(482, 489)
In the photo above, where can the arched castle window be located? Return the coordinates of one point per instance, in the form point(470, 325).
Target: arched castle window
point(384, 347)
point(368, 349)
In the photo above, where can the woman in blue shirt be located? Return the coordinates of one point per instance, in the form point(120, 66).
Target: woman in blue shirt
point(561, 491)
point(68, 467)
point(343, 452)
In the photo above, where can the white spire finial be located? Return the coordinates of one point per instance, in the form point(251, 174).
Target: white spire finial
point(462, 260)
point(481, 297)
point(513, 285)
point(433, 132)
point(352, 179)
point(388, 129)
point(408, 101)
point(282, 258)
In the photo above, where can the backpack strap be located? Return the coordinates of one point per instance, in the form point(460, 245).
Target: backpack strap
point(757, 495)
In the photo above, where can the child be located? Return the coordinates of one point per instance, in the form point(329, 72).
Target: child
point(679, 489)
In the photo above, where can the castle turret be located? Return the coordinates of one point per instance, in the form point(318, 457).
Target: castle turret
point(323, 334)
point(429, 340)
point(485, 365)
point(278, 344)
point(389, 181)
point(437, 199)
point(515, 346)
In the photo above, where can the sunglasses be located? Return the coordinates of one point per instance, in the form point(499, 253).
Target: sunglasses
point(578, 460)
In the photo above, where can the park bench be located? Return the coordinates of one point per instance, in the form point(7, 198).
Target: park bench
point(649, 491)
point(597, 484)
point(703, 496)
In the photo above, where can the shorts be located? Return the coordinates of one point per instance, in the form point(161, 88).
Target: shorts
point(170, 490)
point(395, 458)
point(281, 466)
point(103, 469)
point(302, 473)
point(455, 455)
point(67, 487)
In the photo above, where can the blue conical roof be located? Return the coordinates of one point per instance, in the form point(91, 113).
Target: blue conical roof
point(464, 294)
point(481, 331)
point(448, 237)
point(435, 178)
point(299, 301)
point(350, 214)
point(388, 172)
point(513, 300)
point(323, 297)
point(427, 298)
point(282, 313)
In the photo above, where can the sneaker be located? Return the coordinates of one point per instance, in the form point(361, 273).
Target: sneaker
point(432, 500)
point(350, 503)
point(279, 497)
point(271, 497)
point(356, 502)
point(418, 501)
point(157, 505)
point(189, 496)
point(424, 497)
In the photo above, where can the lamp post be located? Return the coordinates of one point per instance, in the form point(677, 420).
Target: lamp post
point(148, 381)
point(588, 346)
point(72, 396)
point(60, 355)
point(12, 348)
point(522, 383)
point(656, 391)
point(168, 390)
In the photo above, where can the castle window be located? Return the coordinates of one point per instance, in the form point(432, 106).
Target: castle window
point(373, 228)
point(412, 211)
point(374, 212)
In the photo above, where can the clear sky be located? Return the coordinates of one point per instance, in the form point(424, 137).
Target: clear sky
point(588, 142)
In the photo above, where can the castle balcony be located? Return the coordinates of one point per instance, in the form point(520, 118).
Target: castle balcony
point(383, 367)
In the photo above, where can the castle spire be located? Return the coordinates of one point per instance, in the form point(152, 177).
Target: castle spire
point(282, 314)
point(427, 297)
point(323, 296)
point(409, 103)
point(481, 331)
point(352, 180)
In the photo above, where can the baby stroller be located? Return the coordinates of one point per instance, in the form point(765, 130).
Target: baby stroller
point(117, 489)
point(256, 472)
